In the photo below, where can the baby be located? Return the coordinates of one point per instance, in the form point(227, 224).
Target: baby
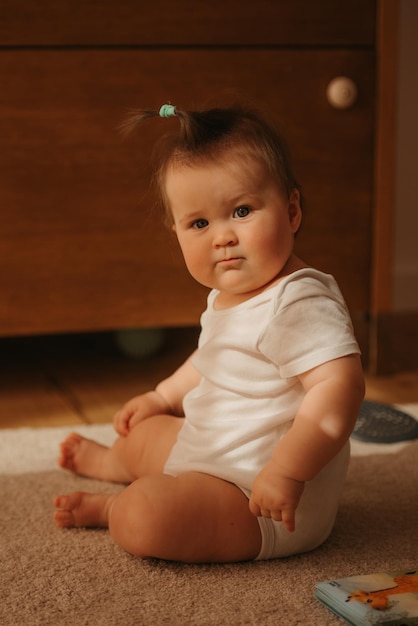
point(242, 452)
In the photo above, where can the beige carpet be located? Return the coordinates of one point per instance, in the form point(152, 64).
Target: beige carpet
point(79, 577)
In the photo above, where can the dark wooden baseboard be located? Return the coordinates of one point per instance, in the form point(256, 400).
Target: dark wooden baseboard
point(393, 343)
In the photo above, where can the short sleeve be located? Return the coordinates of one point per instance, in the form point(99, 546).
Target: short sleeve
point(310, 325)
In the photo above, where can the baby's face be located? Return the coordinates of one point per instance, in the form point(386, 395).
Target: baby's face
point(235, 226)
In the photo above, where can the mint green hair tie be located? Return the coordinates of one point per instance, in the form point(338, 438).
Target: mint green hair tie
point(168, 110)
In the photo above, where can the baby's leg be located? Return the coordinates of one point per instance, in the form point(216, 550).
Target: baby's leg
point(143, 451)
point(193, 518)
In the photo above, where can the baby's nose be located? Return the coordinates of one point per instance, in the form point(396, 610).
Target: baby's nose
point(225, 237)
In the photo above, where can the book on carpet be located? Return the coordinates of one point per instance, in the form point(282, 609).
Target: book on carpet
point(384, 598)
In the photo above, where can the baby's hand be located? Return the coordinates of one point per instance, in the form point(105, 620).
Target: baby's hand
point(137, 410)
point(275, 496)
point(129, 415)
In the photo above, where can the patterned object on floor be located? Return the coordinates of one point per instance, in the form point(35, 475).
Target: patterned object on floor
point(381, 423)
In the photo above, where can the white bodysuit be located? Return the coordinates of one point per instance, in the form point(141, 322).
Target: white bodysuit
point(249, 358)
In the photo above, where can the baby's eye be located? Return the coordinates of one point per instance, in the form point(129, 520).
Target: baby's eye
point(242, 211)
point(200, 223)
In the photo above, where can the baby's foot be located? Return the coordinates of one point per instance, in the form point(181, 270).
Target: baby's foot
point(83, 509)
point(83, 456)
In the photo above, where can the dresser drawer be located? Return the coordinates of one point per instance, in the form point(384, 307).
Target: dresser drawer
point(187, 22)
point(81, 246)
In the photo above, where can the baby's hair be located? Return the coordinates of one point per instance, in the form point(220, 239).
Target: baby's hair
point(218, 135)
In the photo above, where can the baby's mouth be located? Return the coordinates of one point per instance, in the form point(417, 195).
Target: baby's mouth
point(230, 259)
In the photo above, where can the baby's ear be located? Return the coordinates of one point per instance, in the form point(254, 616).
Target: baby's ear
point(173, 228)
point(295, 210)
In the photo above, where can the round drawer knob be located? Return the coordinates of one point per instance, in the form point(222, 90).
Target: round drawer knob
point(342, 92)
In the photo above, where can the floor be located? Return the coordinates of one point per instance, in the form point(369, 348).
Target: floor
point(84, 379)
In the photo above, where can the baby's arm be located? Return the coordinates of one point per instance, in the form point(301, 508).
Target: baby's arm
point(165, 399)
point(325, 419)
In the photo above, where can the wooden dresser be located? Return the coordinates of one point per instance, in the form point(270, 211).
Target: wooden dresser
point(81, 246)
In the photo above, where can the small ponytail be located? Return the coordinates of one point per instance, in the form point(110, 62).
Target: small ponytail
point(217, 135)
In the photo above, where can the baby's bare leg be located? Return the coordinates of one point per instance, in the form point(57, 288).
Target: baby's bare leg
point(193, 518)
point(143, 451)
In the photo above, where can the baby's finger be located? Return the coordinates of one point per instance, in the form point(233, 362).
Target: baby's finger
point(254, 508)
point(277, 516)
point(116, 420)
point(288, 519)
point(119, 423)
